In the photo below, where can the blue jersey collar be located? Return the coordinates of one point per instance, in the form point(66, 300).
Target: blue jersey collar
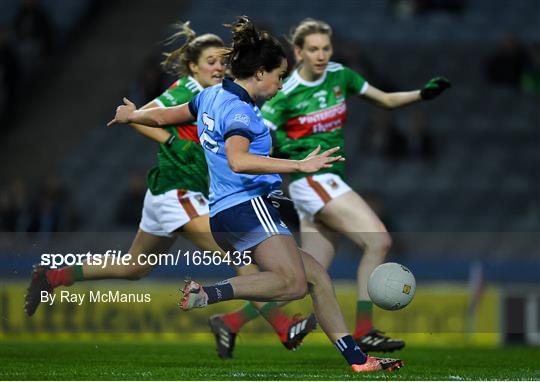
point(234, 88)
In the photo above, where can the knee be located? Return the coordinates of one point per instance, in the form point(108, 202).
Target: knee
point(296, 288)
point(380, 243)
point(299, 292)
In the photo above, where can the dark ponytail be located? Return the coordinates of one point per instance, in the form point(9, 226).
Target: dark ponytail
point(252, 49)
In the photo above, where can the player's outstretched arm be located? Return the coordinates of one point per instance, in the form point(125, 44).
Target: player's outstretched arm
point(241, 161)
point(432, 89)
point(155, 117)
point(157, 135)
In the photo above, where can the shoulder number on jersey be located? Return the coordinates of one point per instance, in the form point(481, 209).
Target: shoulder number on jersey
point(208, 142)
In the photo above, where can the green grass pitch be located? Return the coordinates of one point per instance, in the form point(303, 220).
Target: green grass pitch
point(196, 360)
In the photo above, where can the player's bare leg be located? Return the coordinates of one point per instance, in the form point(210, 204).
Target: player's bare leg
point(290, 330)
point(319, 241)
point(332, 321)
point(198, 232)
point(281, 277)
point(325, 304)
point(351, 215)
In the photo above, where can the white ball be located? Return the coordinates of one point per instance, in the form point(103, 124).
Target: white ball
point(391, 286)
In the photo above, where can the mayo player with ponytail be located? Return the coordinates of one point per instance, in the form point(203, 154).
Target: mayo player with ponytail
point(175, 200)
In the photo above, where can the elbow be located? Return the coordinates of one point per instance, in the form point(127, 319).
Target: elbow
point(236, 165)
point(388, 103)
point(236, 169)
point(159, 119)
point(383, 104)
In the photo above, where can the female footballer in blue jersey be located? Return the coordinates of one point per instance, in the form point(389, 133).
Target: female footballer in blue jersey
point(236, 144)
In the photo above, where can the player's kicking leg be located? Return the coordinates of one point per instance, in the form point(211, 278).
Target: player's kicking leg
point(283, 277)
point(290, 330)
point(332, 322)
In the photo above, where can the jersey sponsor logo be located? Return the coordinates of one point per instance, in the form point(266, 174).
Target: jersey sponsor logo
point(243, 118)
point(318, 122)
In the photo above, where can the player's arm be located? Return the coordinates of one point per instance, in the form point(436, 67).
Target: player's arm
point(158, 135)
point(154, 117)
point(391, 100)
point(432, 89)
point(241, 161)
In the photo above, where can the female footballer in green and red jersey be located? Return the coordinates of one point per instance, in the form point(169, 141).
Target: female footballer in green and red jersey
point(309, 112)
point(176, 200)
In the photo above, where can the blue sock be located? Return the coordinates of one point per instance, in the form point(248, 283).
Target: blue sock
point(350, 350)
point(221, 291)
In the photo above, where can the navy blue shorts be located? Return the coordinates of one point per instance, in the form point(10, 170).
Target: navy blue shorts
point(247, 224)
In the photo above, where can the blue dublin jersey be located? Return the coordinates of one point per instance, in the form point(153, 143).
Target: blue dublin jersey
point(223, 111)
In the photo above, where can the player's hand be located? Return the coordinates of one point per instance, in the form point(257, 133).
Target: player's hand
point(315, 161)
point(123, 112)
point(434, 87)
